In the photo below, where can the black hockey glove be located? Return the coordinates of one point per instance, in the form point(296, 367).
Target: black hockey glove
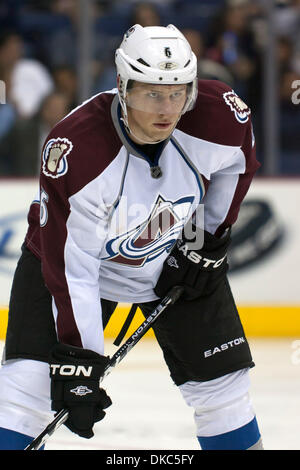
point(199, 270)
point(75, 374)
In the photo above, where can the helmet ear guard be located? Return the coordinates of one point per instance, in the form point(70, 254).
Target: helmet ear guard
point(191, 96)
point(122, 92)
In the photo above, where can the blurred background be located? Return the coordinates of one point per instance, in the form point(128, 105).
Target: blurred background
point(56, 53)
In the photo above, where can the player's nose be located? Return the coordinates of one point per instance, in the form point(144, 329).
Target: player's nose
point(167, 107)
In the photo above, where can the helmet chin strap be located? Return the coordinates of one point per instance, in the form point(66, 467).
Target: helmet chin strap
point(143, 142)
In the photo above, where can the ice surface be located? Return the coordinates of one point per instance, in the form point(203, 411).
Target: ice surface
point(148, 411)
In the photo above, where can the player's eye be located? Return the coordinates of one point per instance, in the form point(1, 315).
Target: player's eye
point(152, 94)
point(177, 95)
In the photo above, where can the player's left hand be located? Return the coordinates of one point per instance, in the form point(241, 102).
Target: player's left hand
point(198, 270)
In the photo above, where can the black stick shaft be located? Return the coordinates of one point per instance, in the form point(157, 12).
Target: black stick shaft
point(62, 416)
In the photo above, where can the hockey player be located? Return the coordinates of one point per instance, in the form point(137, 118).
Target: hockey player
point(124, 178)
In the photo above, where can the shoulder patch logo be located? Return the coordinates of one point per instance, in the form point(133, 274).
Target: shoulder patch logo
point(237, 106)
point(54, 157)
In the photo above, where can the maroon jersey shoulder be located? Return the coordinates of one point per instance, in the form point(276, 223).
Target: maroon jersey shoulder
point(82, 145)
point(76, 151)
point(219, 115)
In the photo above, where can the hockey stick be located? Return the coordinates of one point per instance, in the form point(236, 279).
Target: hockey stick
point(62, 416)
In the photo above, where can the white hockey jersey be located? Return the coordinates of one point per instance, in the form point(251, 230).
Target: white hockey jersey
point(109, 215)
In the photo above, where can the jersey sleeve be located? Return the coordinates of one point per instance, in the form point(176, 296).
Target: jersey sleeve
point(221, 118)
point(73, 227)
point(229, 185)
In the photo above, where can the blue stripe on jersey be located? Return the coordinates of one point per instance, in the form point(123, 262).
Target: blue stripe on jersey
point(122, 184)
point(198, 178)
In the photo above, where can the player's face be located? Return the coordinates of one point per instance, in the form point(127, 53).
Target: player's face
point(153, 110)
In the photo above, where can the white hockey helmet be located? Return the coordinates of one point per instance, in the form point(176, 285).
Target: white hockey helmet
point(156, 55)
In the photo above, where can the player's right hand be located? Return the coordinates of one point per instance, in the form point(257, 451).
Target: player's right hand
point(75, 375)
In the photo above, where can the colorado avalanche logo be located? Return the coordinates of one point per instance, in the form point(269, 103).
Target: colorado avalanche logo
point(240, 109)
point(154, 236)
point(54, 159)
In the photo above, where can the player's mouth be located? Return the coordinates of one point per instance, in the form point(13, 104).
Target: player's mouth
point(162, 125)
